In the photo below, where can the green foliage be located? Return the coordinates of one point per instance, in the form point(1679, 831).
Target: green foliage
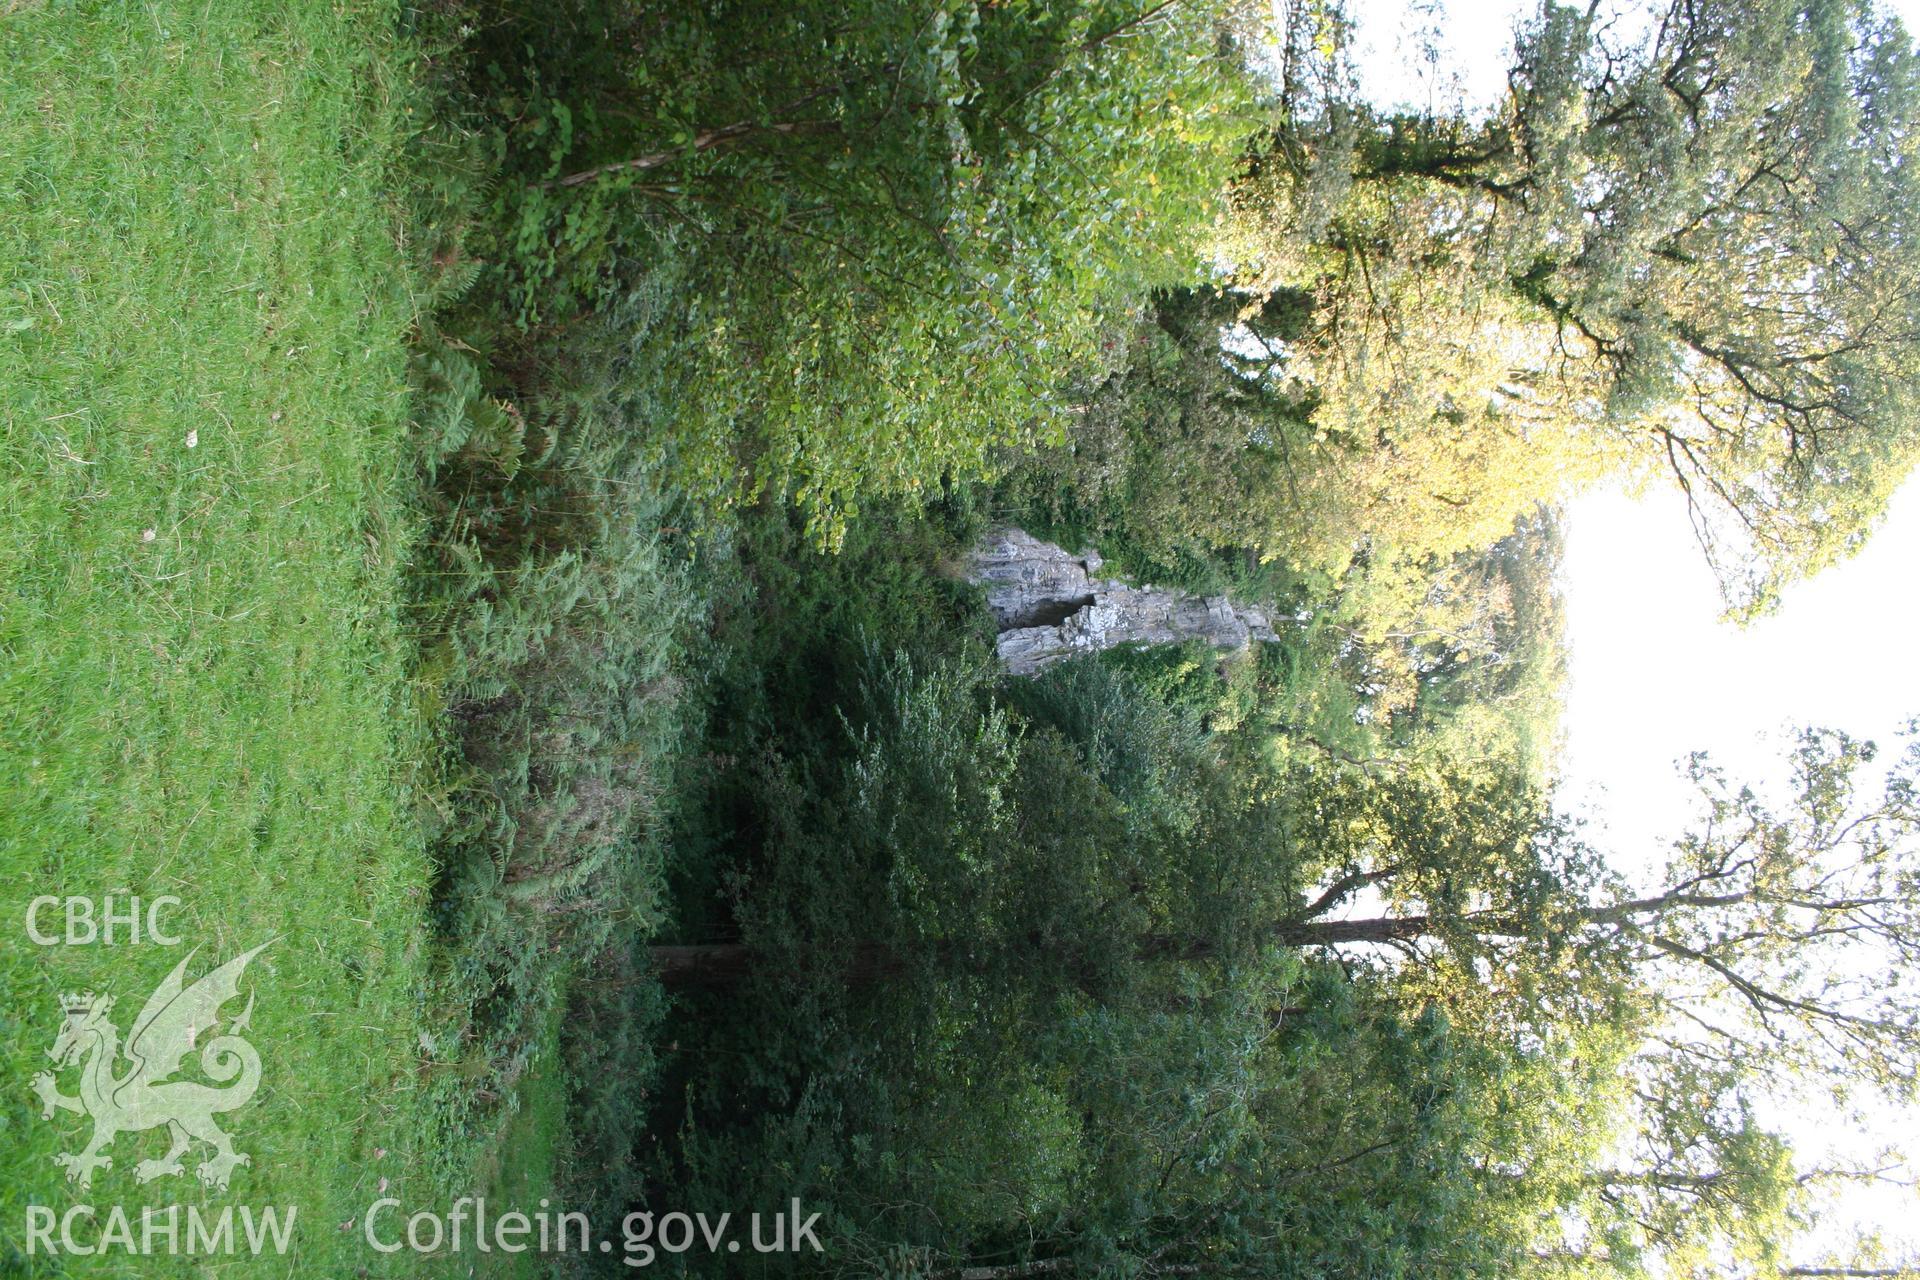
point(1041, 973)
point(547, 602)
point(548, 605)
point(1742, 977)
point(914, 174)
point(1163, 962)
point(1686, 247)
point(1178, 451)
point(1025, 989)
point(607, 1040)
point(1016, 996)
point(1191, 465)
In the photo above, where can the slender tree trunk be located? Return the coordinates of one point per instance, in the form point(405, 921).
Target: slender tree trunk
point(716, 963)
point(726, 962)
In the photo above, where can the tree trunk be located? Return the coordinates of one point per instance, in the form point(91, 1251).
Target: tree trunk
point(727, 962)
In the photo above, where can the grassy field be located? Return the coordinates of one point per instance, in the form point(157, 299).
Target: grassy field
point(518, 1168)
point(204, 304)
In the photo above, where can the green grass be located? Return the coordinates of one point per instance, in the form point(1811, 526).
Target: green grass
point(203, 313)
point(519, 1169)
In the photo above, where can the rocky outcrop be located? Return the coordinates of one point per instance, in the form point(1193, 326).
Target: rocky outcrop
point(1051, 604)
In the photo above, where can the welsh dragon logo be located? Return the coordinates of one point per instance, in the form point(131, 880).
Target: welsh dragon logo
point(139, 1095)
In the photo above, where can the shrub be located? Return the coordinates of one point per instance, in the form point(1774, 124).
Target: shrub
point(882, 207)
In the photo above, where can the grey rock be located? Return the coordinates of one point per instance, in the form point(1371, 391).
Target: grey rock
point(1050, 605)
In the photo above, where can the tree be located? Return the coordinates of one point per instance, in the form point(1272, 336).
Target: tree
point(883, 206)
point(1774, 960)
point(1247, 419)
point(1782, 936)
point(1696, 247)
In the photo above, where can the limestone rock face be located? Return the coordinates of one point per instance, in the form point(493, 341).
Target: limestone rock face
point(1050, 604)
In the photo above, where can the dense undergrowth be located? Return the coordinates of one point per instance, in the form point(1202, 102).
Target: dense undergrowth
point(550, 599)
point(747, 322)
point(705, 457)
point(612, 372)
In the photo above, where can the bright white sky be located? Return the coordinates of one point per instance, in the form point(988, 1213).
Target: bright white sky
point(1653, 672)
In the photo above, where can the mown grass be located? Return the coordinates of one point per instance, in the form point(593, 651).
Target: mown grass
point(518, 1169)
point(203, 313)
